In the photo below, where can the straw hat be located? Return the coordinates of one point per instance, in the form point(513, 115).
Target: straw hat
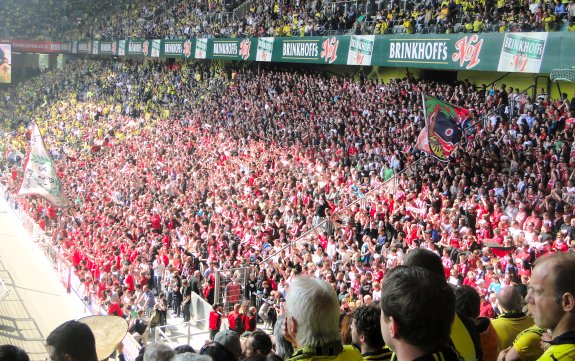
point(108, 331)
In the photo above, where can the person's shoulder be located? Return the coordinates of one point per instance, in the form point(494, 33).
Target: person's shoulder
point(349, 353)
point(559, 352)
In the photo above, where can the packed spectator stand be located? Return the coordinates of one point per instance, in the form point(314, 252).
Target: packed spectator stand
point(287, 172)
point(81, 19)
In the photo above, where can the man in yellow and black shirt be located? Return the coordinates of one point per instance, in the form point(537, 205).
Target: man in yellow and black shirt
point(512, 320)
point(464, 338)
point(366, 333)
point(551, 300)
point(417, 310)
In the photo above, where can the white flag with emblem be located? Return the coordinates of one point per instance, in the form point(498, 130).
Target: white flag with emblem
point(40, 176)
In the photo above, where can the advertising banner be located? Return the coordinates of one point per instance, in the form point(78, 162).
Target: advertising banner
point(360, 50)
point(66, 47)
point(155, 53)
point(106, 47)
point(83, 47)
point(315, 50)
point(138, 47)
point(503, 52)
point(179, 48)
point(201, 48)
point(439, 51)
point(232, 49)
point(265, 49)
point(121, 47)
point(522, 52)
point(31, 46)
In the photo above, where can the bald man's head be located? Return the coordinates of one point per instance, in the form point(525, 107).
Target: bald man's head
point(509, 299)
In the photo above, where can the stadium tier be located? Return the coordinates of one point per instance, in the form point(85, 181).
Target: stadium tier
point(227, 148)
point(81, 19)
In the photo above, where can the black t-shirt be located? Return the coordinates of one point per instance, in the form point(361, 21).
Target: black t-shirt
point(503, 97)
point(365, 289)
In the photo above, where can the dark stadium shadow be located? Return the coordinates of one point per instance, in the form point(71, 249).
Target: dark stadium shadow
point(19, 329)
point(7, 328)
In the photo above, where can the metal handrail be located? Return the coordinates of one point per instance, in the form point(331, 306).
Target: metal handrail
point(345, 208)
point(160, 334)
point(4, 291)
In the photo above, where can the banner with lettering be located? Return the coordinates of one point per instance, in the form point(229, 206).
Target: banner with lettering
point(522, 52)
point(66, 47)
point(232, 49)
point(84, 47)
point(35, 46)
point(360, 50)
point(201, 51)
point(265, 49)
point(441, 51)
point(178, 48)
point(40, 177)
point(503, 52)
point(155, 51)
point(312, 49)
point(121, 47)
point(137, 47)
point(107, 47)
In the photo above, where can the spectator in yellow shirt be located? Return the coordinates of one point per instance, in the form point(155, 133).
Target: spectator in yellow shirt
point(549, 21)
point(478, 24)
point(442, 17)
point(408, 25)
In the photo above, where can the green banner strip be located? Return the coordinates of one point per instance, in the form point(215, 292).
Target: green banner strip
point(503, 52)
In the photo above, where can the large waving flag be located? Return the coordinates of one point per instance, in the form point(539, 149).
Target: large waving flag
point(443, 127)
point(40, 176)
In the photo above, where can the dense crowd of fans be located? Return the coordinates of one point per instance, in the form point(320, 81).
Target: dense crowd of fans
point(173, 169)
point(212, 18)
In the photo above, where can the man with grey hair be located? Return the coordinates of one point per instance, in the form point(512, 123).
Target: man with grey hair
point(190, 356)
point(512, 319)
point(159, 352)
point(312, 322)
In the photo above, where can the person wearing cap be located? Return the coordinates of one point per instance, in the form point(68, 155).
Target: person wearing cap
point(512, 320)
point(366, 333)
point(312, 322)
point(71, 341)
point(231, 341)
point(158, 352)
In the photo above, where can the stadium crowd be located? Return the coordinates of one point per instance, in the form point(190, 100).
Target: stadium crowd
point(175, 169)
point(212, 18)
